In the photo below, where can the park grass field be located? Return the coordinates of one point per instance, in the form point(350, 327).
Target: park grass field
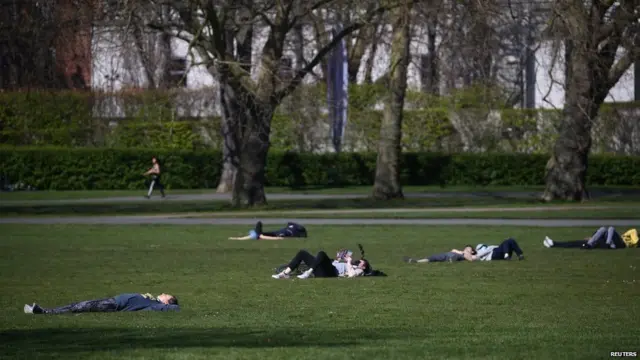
point(630, 211)
point(624, 207)
point(556, 304)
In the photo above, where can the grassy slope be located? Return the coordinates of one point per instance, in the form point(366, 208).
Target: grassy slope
point(556, 304)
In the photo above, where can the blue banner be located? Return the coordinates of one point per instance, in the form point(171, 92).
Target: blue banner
point(337, 89)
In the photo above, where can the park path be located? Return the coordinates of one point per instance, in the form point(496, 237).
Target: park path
point(474, 209)
point(168, 220)
point(277, 196)
point(213, 196)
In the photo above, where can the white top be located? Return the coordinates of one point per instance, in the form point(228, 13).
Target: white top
point(342, 268)
point(485, 253)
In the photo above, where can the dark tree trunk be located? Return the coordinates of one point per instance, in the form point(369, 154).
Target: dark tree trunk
point(368, 66)
point(248, 189)
point(234, 108)
point(434, 81)
point(387, 180)
point(585, 91)
point(231, 112)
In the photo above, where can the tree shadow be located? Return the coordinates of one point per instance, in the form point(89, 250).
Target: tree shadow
point(66, 341)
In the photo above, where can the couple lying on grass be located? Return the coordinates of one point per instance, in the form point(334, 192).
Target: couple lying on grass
point(482, 252)
point(343, 265)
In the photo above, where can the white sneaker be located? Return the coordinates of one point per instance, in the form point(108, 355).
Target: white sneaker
point(305, 275)
point(28, 309)
point(280, 276)
point(547, 242)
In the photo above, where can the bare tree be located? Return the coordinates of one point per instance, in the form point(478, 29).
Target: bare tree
point(145, 55)
point(387, 181)
point(249, 103)
point(600, 43)
point(45, 44)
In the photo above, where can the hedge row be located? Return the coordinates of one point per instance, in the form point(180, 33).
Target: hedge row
point(111, 169)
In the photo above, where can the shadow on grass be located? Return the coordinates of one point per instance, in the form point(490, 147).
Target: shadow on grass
point(66, 341)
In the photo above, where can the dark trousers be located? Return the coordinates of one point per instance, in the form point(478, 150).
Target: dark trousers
point(507, 247)
point(155, 182)
point(321, 264)
point(101, 305)
point(284, 232)
point(606, 237)
point(570, 244)
point(582, 244)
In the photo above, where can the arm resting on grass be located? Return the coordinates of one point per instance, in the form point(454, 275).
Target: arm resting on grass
point(248, 237)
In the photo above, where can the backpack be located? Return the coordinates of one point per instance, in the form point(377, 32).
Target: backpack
point(297, 229)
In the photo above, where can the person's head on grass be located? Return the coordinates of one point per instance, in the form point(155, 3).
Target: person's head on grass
point(168, 299)
point(362, 264)
point(468, 248)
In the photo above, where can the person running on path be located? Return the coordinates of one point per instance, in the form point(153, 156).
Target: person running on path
point(155, 172)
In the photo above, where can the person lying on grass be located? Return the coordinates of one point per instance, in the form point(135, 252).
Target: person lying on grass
point(467, 253)
point(292, 230)
point(122, 302)
point(603, 238)
point(322, 266)
point(504, 251)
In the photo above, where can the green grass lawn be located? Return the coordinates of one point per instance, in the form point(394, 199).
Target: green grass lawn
point(557, 304)
point(624, 208)
point(470, 212)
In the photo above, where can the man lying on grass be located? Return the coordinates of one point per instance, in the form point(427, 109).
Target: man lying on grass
point(122, 302)
point(466, 253)
point(504, 251)
point(603, 238)
point(292, 230)
point(322, 266)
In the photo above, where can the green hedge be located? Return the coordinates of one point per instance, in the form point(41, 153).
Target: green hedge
point(150, 120)
point(110, 169)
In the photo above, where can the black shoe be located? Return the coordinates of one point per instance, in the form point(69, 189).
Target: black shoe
point(147, 196)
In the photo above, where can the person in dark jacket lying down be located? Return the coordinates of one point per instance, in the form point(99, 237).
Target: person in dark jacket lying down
point(292, 230)
point(118, 303)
